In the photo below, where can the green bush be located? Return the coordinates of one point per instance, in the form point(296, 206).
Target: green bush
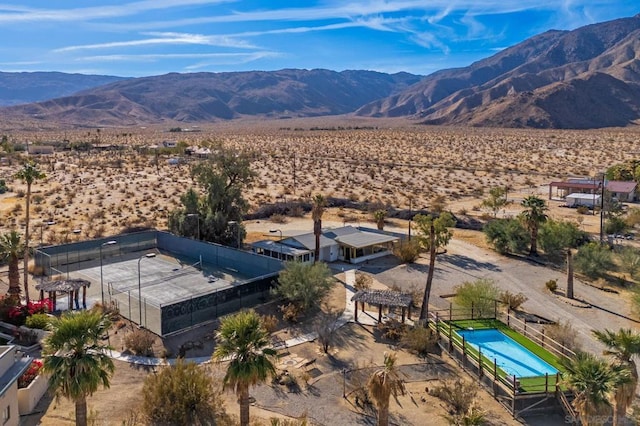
point(479, 296)
point(594, 260)
point(39, 321)
point(552, 285)
point(507, 235)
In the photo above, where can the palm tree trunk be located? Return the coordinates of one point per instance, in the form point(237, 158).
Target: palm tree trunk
point(14, 278)
point(569, 274)
point(26, 246)
point(317, 230)
point(534, 241)
point(243, 400)
point(424, 310)
point(81, 411)
point(624, 396)
point(383, 413)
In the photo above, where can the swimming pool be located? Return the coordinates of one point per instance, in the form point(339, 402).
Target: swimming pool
point(510, 356)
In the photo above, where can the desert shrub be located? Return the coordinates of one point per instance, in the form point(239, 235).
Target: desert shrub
point(140, 342)
point(363, 281)
point(326, 325)
point(278, 218)
point(3, 186)
point(290, 312)
point(392, 329)
point(556, 235)
point(629, 258)
point(111, 311)
point(479, 296)
point(564, 334)
point(419, 340)
point(408, 251)
point(593, 260)
point(552, 285)
point(583, 210)
point(507, 235)
point(183, 394)
point(270, 323)
point(513, 301)
point(303, 284)
point(39, 321)
point(457, 394)
point(288, 422)
point(615, 225)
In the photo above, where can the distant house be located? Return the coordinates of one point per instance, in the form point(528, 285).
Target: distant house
point(624, 191)
point(347, 244)
point(40, 150)
point(580, 199)
point(12, 367)
point(169, 144)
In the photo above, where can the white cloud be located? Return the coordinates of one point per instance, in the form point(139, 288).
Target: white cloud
point(242, 57)
point(17, 14)
point(166, 38)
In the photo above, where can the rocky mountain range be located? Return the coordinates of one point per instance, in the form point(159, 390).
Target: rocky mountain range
point(201, 97)
point(585, 78)
point(27, 87)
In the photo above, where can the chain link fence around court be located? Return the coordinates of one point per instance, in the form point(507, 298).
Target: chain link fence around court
point(164, 319)
point(72, 257)
point(251, 277)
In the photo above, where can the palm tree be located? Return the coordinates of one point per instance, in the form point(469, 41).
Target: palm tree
point(383, 383)
point(75, 358)
point(622, 345)
point(243, 341)
point(10, 249)
point(317, 210)
point(380, 216)
point(594, 382)
point(29, 173)
point(533, 215)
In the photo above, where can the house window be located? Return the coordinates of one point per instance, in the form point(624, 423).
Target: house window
point(6, 414)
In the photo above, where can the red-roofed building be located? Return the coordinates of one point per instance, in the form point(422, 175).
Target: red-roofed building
point(622, 190)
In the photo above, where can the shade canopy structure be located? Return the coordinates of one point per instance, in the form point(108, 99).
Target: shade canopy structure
point(70, 286)
point(63, 286)
point(383, 298)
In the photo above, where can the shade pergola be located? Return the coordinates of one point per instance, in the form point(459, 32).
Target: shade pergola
point(382, 298)
point(68, 286)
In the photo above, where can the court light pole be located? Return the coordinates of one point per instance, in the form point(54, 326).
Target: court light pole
point(108, 243)
point(148, 255)
point(273, 231)
point(197, 216)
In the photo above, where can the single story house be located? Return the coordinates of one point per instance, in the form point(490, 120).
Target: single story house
point(347, 244)
point(624, 191)
point(580, 199)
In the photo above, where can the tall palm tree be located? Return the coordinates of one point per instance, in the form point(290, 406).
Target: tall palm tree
point(243, 341)
point(29, 173)
point(10, 249)
point(317, 210)
point(383, 383)
point(76, 359)
point(533, 215)
point(623, 346)
point(594, 382)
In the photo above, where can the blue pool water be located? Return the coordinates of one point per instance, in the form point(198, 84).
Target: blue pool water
point(510, 356)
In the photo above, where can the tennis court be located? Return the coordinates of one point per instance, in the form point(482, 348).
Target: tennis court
point(163, 282)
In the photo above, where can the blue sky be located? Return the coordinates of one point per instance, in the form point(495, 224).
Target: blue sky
point(151, 37)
